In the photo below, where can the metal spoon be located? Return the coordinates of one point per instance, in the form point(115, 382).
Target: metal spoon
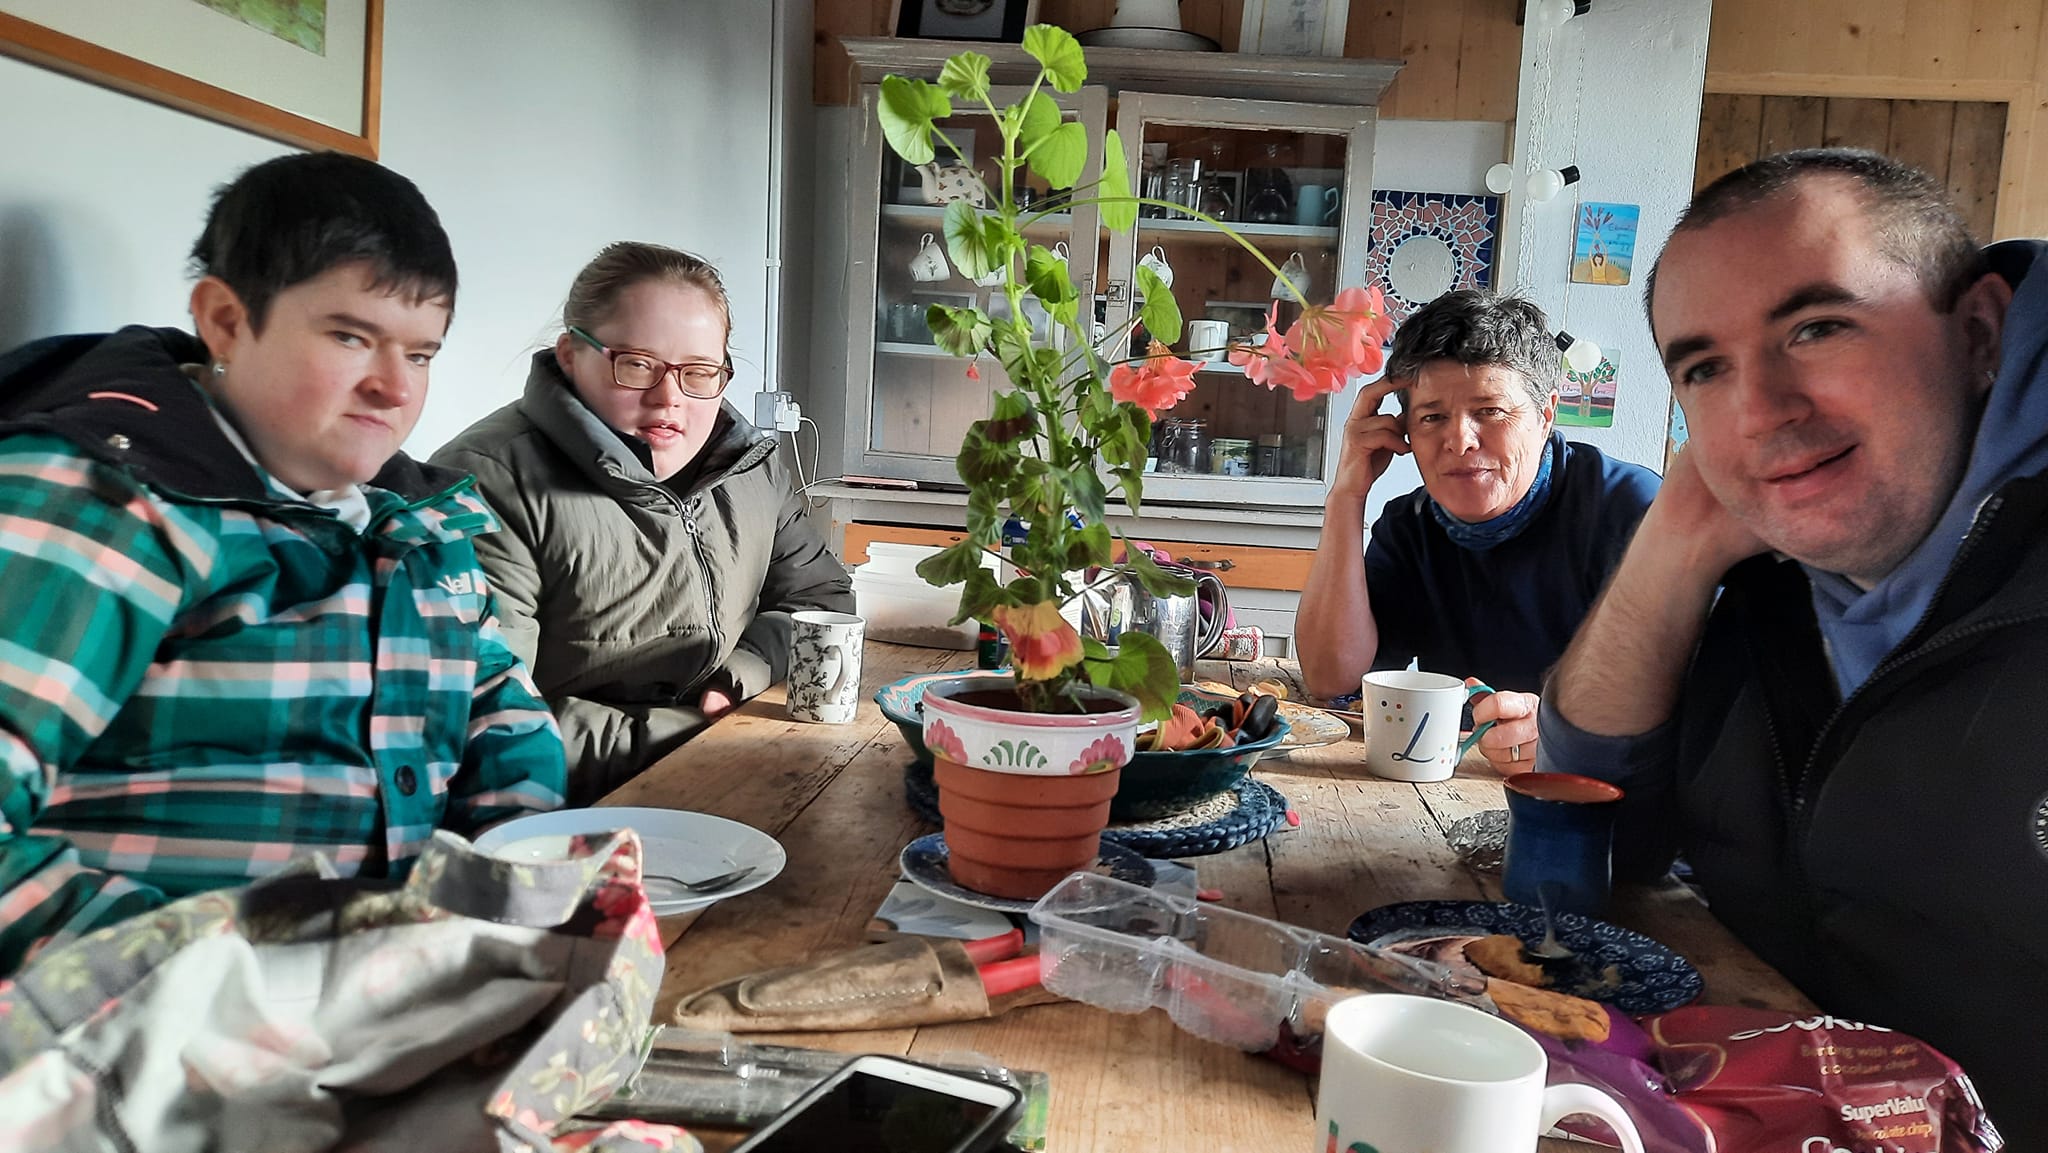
point(708, 884)
point(1550, 949)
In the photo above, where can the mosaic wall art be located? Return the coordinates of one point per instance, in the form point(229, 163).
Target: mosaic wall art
point(1424, 244)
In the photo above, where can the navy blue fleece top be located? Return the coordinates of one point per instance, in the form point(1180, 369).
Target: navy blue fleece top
point(1506, 614)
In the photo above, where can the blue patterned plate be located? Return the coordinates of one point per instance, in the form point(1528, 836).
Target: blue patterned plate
point(1617, 966)
point(924, 865)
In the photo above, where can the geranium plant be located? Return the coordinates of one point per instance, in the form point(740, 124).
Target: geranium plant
point(1075, 428)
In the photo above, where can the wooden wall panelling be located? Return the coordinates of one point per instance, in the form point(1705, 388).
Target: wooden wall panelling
point(1489, 61)
point(1463, 56)
point(1791, 122)
point(1854, 123)
point(1975, 144)
point(1921, 134)
point(1730, 126)
point(1427, 87)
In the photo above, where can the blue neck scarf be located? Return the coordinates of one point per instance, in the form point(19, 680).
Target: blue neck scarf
point(1508, 525)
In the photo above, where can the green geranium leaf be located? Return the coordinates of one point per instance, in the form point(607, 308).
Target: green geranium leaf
point(1061, 155)
point(1094, 650)
point(1118, 207)
point(908, 108)
point(967, 242)
point(965, 76)
point(1036, 119)
point(1046, 275)
point(1143, 668)
point(1155, 579)
point(984, 517)
point(1131, 479)
point(1160, 312)
point(980, 597)
point(1089, 548)
point(1059, 54)
point(960, 331)
point(951, 565)
point(983, 461)
point(1084, 489)
point(1013, 420)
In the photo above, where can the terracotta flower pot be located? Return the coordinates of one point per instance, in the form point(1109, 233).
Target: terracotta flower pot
point(1025, 795)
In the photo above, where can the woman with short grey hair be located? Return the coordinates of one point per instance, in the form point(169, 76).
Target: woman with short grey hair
point(1486, 570)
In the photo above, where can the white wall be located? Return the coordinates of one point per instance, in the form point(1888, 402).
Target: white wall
point(539, 130)
point(1616, 92)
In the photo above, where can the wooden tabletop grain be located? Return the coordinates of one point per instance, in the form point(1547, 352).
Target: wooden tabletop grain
point(833, 795)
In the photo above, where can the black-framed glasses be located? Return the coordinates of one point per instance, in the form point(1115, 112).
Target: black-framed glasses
point(641, 371)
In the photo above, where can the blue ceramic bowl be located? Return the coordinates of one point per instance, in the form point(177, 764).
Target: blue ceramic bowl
point(1154, 784)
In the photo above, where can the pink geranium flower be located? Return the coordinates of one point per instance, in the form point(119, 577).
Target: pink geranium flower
point(1042, 643)
point(1320, 352)
point(1155, 383)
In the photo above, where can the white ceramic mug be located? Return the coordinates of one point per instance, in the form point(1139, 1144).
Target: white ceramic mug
point(1207, 339)
point(824, 666)
point(1408, 1074)
point(1411, 723)
point(930, 261)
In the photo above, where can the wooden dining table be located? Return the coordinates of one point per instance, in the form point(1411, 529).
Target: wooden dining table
point(833, 796)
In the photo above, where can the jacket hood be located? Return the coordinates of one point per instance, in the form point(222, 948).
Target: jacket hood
point(621, 465)
point(1861, 626)
point(123, 398)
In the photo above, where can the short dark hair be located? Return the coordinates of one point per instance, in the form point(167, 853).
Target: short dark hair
point(1478, 328)
point(288, 220)
point(1917, 224)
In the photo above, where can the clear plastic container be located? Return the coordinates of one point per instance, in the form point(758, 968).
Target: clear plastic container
point(1222, 975)
point(905, 610)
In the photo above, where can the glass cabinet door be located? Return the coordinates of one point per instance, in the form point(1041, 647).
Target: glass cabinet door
point(1294, 180)
point(920, 399)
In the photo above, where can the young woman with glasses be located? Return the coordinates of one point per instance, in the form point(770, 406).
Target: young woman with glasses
point(654, 545)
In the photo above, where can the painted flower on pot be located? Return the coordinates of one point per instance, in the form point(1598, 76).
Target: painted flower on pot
point(1074, 429)
point(944, 742)
point(1105, 754)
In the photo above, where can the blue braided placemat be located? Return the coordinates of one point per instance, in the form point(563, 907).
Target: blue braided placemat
point(1212, 827)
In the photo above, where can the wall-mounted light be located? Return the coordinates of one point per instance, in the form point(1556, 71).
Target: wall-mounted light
point(1545, 183)
point(1500, 178)
point(1549, 14)
point(1581, 356)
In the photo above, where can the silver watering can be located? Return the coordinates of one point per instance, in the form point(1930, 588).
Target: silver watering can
point(1115, 603)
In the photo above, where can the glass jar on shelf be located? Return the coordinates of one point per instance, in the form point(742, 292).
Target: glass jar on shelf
point(1269, 195)
point(1230, 456)
point(1184, 444)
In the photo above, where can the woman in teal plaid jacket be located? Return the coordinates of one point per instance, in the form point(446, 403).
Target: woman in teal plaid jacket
point(237, 626)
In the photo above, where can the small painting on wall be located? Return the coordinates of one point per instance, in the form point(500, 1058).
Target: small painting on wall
point(1586, 399)
point(300, 22)
point(1606, 243)
point(1293, 27)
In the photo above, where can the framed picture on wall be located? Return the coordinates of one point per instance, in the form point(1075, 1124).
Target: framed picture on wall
point(1293, 27)
point(305, 72)
point(1002, 21)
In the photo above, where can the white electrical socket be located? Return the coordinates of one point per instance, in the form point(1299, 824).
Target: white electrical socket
point(777, 410)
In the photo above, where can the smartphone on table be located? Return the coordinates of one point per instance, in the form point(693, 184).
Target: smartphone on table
point(888, 1105)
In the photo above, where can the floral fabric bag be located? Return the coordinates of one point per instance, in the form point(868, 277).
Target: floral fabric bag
point(478, 1006)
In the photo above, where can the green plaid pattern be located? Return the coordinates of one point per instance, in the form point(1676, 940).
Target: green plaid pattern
point(193, 694)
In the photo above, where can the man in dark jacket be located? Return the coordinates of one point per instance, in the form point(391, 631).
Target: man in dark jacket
point(1837, 741)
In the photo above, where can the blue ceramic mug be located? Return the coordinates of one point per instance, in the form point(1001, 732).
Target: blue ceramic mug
point(1560, 839)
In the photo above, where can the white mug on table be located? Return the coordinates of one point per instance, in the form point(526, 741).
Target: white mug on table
point(1411, 723)
point(1408, 1074)
point(824, 666)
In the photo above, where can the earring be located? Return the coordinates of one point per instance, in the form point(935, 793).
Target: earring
point(220, 370)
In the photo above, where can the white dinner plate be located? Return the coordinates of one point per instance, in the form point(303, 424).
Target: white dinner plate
point(678, 843)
